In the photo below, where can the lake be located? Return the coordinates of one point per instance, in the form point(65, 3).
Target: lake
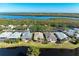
point(15, 51)
point(34, 17)
point(22, 51)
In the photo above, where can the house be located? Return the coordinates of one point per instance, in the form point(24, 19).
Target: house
point(3, 26)
point(15, 35)
point(75, 28)
point(5, 35)
point(70, 32)
point(24, 25)
point(38, 36)
point(27, 35)
point(50, 36)
point(61, 35)
point(58, 29)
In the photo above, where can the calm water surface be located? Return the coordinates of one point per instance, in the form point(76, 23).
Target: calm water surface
point(32, 17)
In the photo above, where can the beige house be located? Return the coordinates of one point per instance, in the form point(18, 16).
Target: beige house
point(38, 36)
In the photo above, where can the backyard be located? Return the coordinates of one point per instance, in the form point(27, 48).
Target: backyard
point(65, 44)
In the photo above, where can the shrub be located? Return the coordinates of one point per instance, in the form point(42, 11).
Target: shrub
point(74, 41)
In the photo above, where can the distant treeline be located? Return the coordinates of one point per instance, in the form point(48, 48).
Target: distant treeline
point(44, 14)
point(52, 22)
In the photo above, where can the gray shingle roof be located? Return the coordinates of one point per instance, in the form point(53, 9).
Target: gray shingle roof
point(50, 36)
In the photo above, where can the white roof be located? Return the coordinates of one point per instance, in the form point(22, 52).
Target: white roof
point(70, 32)
point(15, 35)
point(61, 35)
point(26, 34)
point(5, 34)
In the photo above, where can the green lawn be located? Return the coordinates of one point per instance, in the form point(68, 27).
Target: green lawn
point(65, 44)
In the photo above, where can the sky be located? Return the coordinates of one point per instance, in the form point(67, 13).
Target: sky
point(40, 7)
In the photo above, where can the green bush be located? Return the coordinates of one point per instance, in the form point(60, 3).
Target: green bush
point(12, 40)
point(33, 51)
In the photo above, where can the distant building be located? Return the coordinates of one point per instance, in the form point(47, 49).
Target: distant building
point(58, 30)
point(38, 36)
point(3, 26)
point(26, 36)
point(24, 25)
point(11, 26)
point(61, 35)
point(50, 37)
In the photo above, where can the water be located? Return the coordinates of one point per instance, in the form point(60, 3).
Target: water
point(22, 51)
point(15, 51)
point(33, 17)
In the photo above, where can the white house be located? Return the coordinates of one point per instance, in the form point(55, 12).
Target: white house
point(27, 35)
point(70, 32)
point(11, 26)
point(61, 35)
point(3, 26)
point(5, 35)
point(24, 25)
point(15, 35)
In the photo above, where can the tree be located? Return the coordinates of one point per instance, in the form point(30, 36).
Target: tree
point(38, 28)
point(33, 51)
